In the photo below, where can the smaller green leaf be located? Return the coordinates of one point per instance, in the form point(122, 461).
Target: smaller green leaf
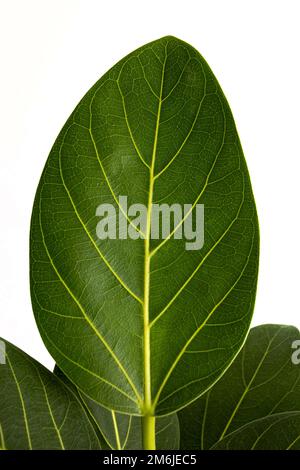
point(262, 381)
point(37, 411)
point(123, 431)
point(277, 432)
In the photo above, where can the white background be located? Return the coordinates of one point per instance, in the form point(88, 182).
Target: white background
point(52, 51)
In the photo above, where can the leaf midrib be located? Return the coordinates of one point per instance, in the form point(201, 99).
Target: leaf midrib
point(148, 407)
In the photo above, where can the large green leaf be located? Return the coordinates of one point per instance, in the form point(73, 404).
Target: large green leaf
point(145, 326)
point(37, 411)
point(277, 432)
point(123, 431)
point(262, 381)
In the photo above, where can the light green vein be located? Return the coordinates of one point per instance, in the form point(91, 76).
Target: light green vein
point(128, 432)
point(190, 131)
point(197, 331)
point(127, 121)
point(83, 408)
point(236, 408)
point(293, 442)
point(214, 374)
point(22, 402)
point(66, 416)
point(284, 396)
point(93, 374)
point(116, 429)
point(69, 317)
point(50, 411)
point(88, 320)
point(146, 79)
point(197, 268)
point(155, 250)
point(270, 379)
point(243, 367)
point(263, 433)
point(119, 279)
point(3, 446)
point(147, 260)
point(178, 81)
point(90, 416)
point(162, 430)
point(106, 177)
point(203, 424)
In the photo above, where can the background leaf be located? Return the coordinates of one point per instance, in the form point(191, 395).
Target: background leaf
point(37, 411)
point(145, 326)
point(121, 431)
point(277, 432)
point(261, 382)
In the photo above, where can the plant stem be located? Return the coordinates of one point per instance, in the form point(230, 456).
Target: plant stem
point(148, 432)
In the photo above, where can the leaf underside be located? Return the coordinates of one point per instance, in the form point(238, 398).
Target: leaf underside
point(277, 432)
point(258, 394)
point(145, 325)
point(37, 411)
